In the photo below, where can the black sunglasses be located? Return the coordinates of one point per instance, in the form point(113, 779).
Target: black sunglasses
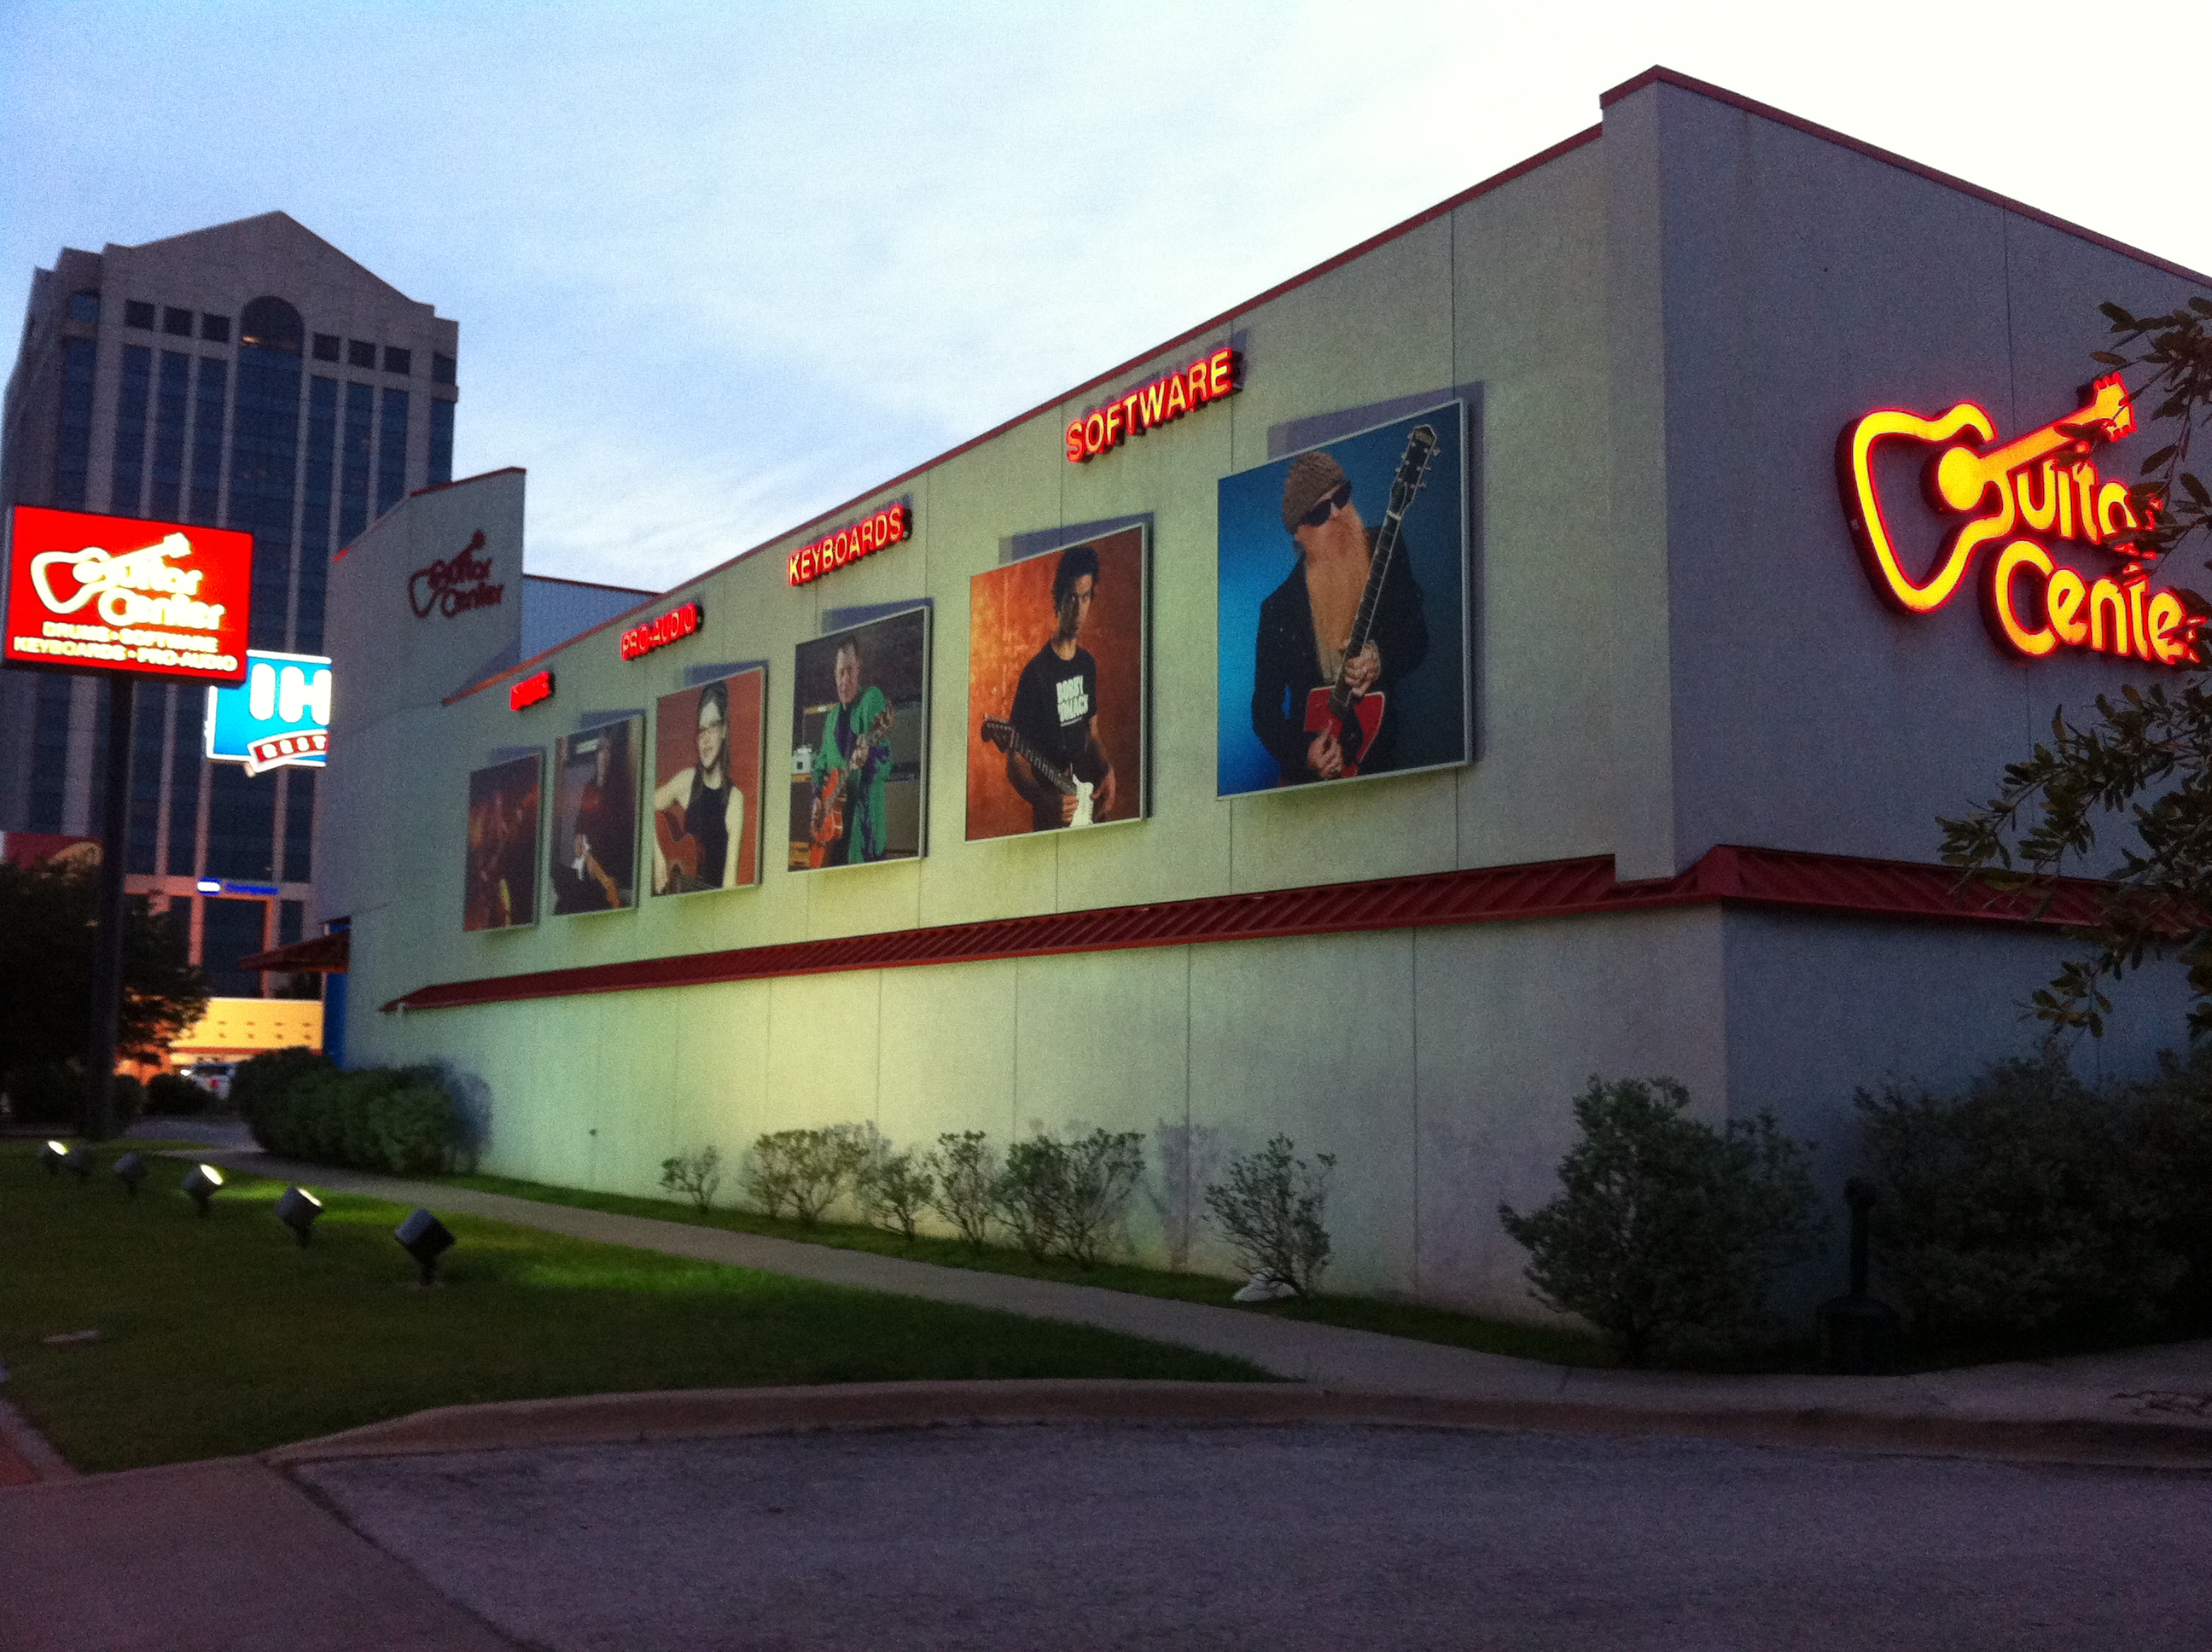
point(1331, 502)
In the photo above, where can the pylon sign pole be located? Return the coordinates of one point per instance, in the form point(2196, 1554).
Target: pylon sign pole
point(98, 1122)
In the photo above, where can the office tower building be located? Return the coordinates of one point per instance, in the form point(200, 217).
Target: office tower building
point(250, 376)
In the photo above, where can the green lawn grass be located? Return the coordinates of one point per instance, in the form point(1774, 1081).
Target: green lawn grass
point(1554, 1344)
point(224, 1336)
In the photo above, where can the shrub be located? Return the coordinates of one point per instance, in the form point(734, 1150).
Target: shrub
point(892, 1189)
point(1667, 1232)
point(1271, 1207)
point(803, 1171)
point(965, 1167)
point(173, 1095)
point(396, 1120)
point(126, 1099)
point(1068, 1197)
point(695, 1176)
point(47, 1092)
point(2033, 1203)
point(258, 1088)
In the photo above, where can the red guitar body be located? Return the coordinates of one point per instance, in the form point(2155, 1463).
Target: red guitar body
point(679, 849)
point(1366, 717)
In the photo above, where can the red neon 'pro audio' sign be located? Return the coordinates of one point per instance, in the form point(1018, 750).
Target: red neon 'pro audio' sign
point(673, 626)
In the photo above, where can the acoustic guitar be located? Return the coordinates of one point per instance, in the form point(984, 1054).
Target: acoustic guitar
point(836, 783)
point(1355, 720)
point(679, 852)
point(1004, 735)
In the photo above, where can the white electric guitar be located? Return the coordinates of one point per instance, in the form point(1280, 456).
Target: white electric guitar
point(1003, 735)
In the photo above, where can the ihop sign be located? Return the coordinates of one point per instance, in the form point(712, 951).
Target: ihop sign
point(280, 716)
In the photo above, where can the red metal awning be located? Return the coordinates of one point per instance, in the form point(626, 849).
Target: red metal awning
point(320, 955)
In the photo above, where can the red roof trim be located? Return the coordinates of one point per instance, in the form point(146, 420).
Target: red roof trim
point(323, 955)
point(1841, 884)
point(1656, 76)
point(1496, 181)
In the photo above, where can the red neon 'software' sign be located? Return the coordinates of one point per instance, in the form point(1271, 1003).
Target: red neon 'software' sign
point(1161, 402)
point(2043, 484)
point(673, 626)
point(118, 593)
point(529, 690)
point(849, 545)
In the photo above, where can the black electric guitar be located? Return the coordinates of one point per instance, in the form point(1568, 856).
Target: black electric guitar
point(1003, 735)
point(1354, 719)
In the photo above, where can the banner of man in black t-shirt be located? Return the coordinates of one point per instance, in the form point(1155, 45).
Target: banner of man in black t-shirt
point(1055, 688)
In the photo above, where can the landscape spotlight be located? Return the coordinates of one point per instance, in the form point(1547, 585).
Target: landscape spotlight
point(201, 1182)
point(426, 1239)
point(297, 1209)
point(130, 1171)
point(52, 1155)
point(78, 1162)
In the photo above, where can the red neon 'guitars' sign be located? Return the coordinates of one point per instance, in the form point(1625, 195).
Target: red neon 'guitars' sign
point(2042, 484)
point(833, 550)
point(1161, 402)
point(673, 626)
point(118, 593)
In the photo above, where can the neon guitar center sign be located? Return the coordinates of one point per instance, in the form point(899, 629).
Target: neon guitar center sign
point(116, 593)
point(2020, 499)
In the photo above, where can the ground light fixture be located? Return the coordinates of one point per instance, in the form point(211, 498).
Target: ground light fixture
point(54, 1154)
point(297, 1209)
point(78, 1162)
point(202, 1181)
point(426, 1239)
point(130, 1171)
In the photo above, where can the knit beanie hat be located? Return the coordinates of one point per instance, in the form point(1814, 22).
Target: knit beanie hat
point(1312, 477)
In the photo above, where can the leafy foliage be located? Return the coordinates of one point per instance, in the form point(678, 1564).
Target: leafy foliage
point(2145, 757)
point(892, 1188)
point(1271, 1209)
point(394, 1120)
point(2034, 1203)
point(173, 1095)
point(1667, 1232)
point(695, 1175)
point(1069, 1199)
point(966, 1169)
point(46, 971)
point(802, 1172)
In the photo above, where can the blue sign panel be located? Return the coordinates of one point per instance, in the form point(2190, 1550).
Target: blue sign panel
point(280, 716)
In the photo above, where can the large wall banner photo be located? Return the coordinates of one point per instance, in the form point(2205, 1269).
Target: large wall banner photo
point(706, 785)
point(1343, 608)
point(1056, 688)
point(859, 732)
point(502, 858)
point(594, 854)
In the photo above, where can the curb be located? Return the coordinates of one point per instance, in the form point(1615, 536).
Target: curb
point(19, 1439)
point(709, 1413)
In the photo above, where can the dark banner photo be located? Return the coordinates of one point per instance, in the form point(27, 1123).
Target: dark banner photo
point(860, 728)
point(706, 785)
point(1343, 638)
point(1056, 688)
point(594, 859)
point(501, 890)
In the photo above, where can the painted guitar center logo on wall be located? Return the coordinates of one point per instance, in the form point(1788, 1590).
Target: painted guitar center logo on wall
point(2021, 500)
point(456, 585)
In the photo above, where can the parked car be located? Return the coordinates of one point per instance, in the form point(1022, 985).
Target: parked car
point(213, 1077)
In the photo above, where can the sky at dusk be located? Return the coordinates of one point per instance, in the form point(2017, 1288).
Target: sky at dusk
point(719, 268)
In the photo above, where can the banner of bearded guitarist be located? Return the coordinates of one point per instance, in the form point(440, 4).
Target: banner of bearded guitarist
point(859, 735)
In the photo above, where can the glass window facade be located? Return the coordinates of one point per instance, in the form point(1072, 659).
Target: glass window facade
point(184, 766)
point(208, 394)
point(327, 347)
point(442, 369)
point(315, 512)
point(300, 827)
point(138, 314)
point(399, 361)
point(441, 442)
point(172, 399)
point(392, 451)
point(232, 929)
point(264, 458)
point(133, 396)
point(84, 307)
point(360, 353)
point(353, 472)
point(216, 328)
point(73, 458)
point(48, 752)
point(241, 823)
point(176, 322)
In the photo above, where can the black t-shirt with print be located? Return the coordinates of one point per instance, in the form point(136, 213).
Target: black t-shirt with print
point(1053, 703)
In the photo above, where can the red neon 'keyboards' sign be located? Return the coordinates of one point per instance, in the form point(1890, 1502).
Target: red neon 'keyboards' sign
point(849, 545)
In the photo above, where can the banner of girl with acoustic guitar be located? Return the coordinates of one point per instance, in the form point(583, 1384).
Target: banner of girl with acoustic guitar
point(859, 734)
point(1343, 608)
point(594, 859)
point(706, 785)
point(1056, 688)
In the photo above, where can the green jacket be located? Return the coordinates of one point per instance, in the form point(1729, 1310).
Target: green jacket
point(864, 797)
